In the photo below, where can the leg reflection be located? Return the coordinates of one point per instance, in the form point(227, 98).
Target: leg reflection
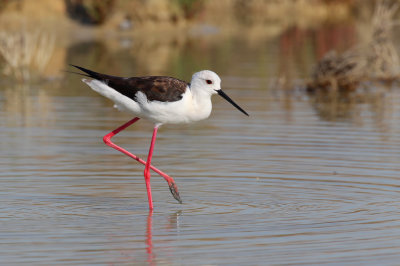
point(149, 241)
point(171, 225)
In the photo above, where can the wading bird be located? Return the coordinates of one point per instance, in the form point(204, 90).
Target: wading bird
point(161, 100)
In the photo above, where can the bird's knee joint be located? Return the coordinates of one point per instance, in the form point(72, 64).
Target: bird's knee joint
point(106, 139)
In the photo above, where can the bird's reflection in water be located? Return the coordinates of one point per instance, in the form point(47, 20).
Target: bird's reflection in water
point(173, 224)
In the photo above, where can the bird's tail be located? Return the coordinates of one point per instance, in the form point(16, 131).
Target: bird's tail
point(91, 74)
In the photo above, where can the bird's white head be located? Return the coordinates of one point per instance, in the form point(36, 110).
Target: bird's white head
point(206, 81)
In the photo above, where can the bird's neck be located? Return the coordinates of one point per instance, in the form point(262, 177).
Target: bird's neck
point(201, 97)
point(201, 103)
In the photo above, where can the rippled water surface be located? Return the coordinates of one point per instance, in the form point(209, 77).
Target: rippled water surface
point(298, 182)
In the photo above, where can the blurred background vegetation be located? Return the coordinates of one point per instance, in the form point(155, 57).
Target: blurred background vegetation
point(143, 14)
point(182, 12)
point(39, 38)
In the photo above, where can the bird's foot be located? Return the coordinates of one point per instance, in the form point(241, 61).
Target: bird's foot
point(174, 191)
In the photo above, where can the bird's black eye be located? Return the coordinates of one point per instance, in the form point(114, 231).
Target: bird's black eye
point(209, 81)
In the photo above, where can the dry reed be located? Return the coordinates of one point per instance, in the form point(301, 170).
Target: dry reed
point(377, 60)
point(25, 53)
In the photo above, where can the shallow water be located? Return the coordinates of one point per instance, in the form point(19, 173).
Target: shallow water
point(298, 182)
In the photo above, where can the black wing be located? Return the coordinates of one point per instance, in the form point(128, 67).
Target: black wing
point(156, 88)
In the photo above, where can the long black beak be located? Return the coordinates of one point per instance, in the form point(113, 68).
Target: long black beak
point(226, 97)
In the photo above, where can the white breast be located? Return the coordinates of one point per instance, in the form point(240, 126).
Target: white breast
point(185, 110)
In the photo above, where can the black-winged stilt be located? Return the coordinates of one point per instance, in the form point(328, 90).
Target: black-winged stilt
point(161, 100)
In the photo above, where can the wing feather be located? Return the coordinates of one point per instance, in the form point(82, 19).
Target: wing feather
point(156, 88)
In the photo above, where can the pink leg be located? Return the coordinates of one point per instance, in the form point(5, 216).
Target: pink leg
point(147, 168)
point(107, 140)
